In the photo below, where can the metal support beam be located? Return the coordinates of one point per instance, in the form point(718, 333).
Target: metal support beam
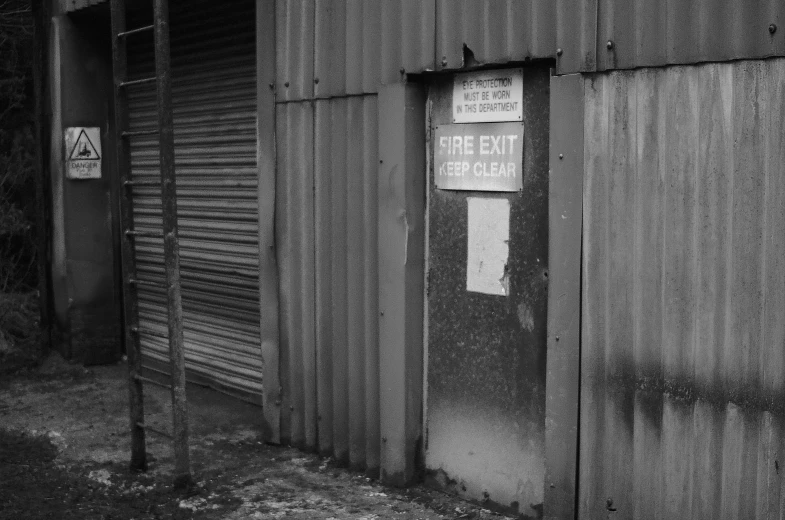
point(401, 262)
point(562, 383)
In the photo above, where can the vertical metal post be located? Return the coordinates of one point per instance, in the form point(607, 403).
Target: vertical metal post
point(130, 309)
point(565, 231)
point(171, 247)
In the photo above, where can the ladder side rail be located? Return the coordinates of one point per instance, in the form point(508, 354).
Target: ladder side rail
point(171, 246)
point(130, 295)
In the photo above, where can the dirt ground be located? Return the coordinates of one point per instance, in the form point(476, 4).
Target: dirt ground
point(64, 451)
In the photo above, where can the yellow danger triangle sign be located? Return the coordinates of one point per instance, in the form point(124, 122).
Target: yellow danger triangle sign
point(83, 150)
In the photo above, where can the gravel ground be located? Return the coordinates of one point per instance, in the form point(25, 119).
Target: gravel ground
point(64, 449)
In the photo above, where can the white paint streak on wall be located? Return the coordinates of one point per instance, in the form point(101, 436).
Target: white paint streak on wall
point(488, 248)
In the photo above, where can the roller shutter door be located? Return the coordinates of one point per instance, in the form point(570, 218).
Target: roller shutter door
point(214, 96)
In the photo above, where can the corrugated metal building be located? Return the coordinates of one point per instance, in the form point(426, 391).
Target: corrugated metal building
point(644, 331)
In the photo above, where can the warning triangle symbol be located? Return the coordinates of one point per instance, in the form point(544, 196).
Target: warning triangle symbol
point(83, 149)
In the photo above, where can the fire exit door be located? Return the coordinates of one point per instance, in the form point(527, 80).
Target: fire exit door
point(487, 289)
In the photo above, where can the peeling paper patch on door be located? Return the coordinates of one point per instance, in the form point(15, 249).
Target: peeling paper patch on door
point(488, 248)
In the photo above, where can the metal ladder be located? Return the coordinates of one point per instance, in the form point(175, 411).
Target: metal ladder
point(163, 81)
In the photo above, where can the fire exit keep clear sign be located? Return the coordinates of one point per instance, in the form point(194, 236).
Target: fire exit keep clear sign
point(480, 157)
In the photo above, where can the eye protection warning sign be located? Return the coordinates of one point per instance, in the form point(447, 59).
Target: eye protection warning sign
point(488, 96)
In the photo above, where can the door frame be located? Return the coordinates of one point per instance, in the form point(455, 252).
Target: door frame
point(565, 215)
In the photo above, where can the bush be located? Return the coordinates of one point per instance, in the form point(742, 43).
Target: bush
point(19, 313)
point(17, 148)
point(20, 335)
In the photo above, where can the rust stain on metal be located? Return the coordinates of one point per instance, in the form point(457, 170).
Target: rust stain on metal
point(683, 371)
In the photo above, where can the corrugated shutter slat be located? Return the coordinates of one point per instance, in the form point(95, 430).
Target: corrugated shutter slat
point(214, 99)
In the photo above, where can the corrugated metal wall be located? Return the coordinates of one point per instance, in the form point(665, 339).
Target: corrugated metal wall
point(296, 263)
point(331, 48)
point(214, 99)
point(361, 44)
point(326, 232)
point(496, 31)
point(644, 33)
point(327, 229)
point(345, 180)
point(657, 33)
point(683, 371)
point(327, 249)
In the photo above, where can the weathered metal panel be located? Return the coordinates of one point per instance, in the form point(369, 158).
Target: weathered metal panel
point(408, 31)
point(346, 279)
point(352, 46)
point(214, 94)
point(294, 45)
point(683, 371)
point(296, 263)
point(495, 31)
point(360, 45)
point(327, 243)
point(346, 49)
point(565, 219)
point(645, 33)
point(576, 36)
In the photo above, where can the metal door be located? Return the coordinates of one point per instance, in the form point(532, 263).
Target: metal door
point(214, 98)
point(485, 354)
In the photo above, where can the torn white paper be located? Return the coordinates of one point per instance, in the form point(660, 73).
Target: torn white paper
point(488, 248)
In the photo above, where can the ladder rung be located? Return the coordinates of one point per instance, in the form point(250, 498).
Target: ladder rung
point(134, 281)
point(152, 381)
point(153, 430)
point(136, 31)
point(138, 81)
point(148, 234)
point(149, 332)
point(142, 183)
point(139, 133)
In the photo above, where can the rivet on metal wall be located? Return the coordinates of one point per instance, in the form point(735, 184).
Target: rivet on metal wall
point(444, 61)
point(316, 81)
point(609, 45)
point(272, 86)
point(772, 28)
point(286, 84)
point(559, 51)
point(402, 71)
point(561, 156)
